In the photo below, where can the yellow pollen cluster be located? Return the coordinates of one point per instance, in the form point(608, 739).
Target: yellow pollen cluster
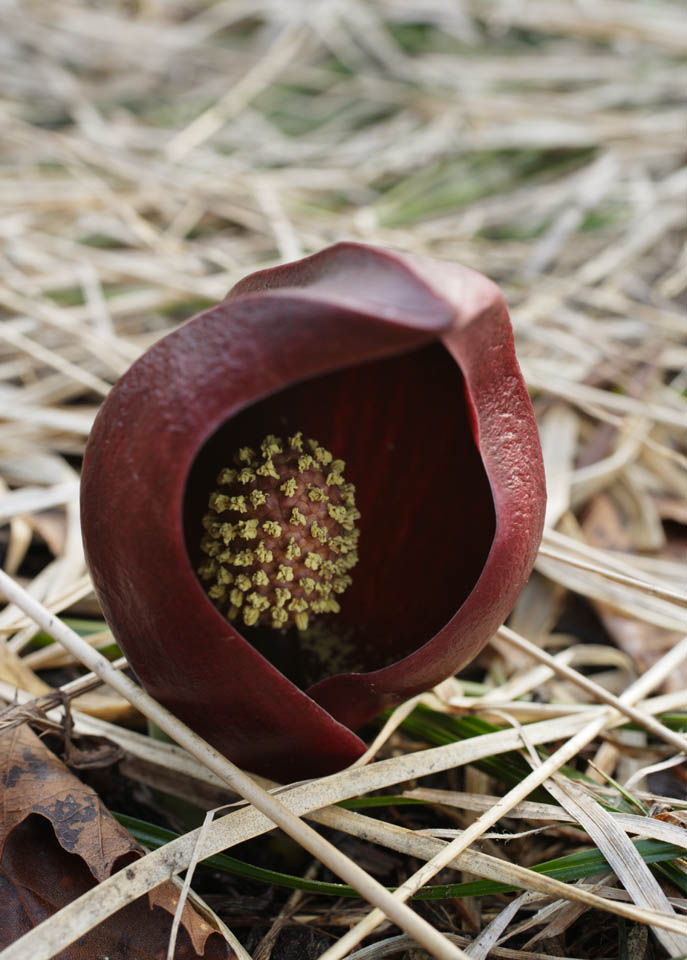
point(280, 534)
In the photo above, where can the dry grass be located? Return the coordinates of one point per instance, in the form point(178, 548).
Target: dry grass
point(155, 152)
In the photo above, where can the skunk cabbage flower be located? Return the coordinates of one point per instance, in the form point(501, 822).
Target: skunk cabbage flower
point(315, 500)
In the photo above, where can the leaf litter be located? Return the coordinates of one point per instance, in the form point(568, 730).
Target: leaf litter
point(542, 144)
point(57, 840)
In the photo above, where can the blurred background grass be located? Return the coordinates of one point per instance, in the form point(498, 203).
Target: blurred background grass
point(170, 147)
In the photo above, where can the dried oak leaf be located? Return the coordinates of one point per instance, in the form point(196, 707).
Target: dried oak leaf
point(56, 841)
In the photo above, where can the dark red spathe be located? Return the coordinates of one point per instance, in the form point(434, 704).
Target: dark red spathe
point(402, 366)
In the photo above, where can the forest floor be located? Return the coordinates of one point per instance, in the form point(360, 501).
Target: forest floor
point(156, 151)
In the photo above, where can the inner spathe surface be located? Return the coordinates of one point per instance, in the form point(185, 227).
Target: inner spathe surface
point(427, 515)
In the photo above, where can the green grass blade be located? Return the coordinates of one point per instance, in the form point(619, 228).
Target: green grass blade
point(574, 867)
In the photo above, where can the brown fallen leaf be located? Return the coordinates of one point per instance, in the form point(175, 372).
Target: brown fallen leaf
point(56, 841)
point(606, 526)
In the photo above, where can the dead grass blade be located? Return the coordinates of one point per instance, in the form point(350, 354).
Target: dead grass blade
point(423, 932)
point(152, 154)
